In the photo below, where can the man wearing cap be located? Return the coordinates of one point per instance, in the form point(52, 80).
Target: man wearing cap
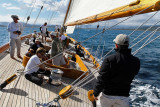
point(34, 35)
point(44, 31)
point(116, 75)
point(36, 45)
point(15, 30)
point(57, 49)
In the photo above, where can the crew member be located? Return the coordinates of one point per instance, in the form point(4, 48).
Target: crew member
point(116, 75)
point(15, 30)
point(36, 45)
point(44, 31)
point(57, 49)
point(34, 67)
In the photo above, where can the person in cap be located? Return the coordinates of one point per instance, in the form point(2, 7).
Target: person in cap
point(36, 45)
point(44, 31)
point(34, 68)
point(57, 49)
point(15, 30)
point(116, 75)
point(34, 35)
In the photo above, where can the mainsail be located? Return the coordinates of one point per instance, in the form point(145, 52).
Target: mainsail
point(90, 11)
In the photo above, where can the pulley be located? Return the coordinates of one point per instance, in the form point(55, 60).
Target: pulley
point(91, 98)
point(66, 92)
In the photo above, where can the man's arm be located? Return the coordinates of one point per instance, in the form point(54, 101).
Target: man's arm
point(53, 49)
point(102, 78)
point(40, 29)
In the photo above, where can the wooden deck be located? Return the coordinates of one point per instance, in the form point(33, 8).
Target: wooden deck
point(22, 93)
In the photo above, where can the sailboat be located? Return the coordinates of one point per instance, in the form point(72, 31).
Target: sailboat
point(77, 83)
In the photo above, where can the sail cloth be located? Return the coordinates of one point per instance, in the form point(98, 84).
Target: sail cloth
point(70, 29)
point(89, 11)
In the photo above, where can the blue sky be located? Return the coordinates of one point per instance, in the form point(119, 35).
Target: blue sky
point(55, 7)
point(23, 8)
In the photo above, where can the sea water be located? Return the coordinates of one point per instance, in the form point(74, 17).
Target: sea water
point(145, 90)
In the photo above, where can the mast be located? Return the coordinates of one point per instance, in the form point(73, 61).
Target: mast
point(67, 12)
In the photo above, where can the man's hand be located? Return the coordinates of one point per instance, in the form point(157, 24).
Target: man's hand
point(15, 32)
point(95, 97)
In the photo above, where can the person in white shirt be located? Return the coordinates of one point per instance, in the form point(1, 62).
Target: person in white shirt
point(34, 67)
point(44, 31)
point(15, 30)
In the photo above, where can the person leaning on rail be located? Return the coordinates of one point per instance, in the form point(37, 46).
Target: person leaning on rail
point(15, 30)
point(34, 68)
point(116, 75)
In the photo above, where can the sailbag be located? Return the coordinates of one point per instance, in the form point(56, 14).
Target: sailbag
point(89, 11)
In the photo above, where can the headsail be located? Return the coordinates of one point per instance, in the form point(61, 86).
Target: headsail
point(90, 11)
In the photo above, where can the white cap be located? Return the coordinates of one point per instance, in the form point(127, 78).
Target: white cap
point(121, 39)
point(38, 39)
point(53, 34)
point(14, 16)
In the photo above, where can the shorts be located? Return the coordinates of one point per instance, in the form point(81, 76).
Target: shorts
point(44, 34)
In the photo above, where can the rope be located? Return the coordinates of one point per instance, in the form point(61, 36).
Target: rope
point(143, 23)
point(36, 18)
point(143, 38)
point(103, 49)
point(144, 32)
point(28, 10)
point(145, 44)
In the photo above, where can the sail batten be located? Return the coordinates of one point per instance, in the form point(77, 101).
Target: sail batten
point(78, 16)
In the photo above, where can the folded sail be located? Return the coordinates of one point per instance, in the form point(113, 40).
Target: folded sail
point(90, 11)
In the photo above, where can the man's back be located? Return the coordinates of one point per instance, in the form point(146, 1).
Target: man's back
point(117, 73)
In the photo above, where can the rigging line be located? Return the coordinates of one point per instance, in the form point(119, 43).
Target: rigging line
point(146, 44)
point(146, 41)
point(143, 39)
point(27, 11)
point(117, 24)
point(143, 23)
point(103, 49)
point(144, 32)
point(32, 8)
point(48, 14)
point(36, 18)
point(54, 13)
point(150, 37)
point(100, 40)
point(51, 17)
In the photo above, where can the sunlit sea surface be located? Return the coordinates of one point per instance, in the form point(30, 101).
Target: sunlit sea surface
point(145, 90)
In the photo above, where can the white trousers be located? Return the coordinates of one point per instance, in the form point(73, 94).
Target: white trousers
point(15, 43)
point(113, 101)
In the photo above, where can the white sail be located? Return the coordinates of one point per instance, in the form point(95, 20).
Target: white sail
point(70, 29)
point(80, 9)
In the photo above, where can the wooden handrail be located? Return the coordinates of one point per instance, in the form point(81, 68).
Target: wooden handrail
point(6, 46)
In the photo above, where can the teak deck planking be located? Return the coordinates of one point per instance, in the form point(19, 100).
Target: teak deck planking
point(23, 93)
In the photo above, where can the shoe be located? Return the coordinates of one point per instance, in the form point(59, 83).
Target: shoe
point(13, 57)
point(45, 81)
point(20, 57)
